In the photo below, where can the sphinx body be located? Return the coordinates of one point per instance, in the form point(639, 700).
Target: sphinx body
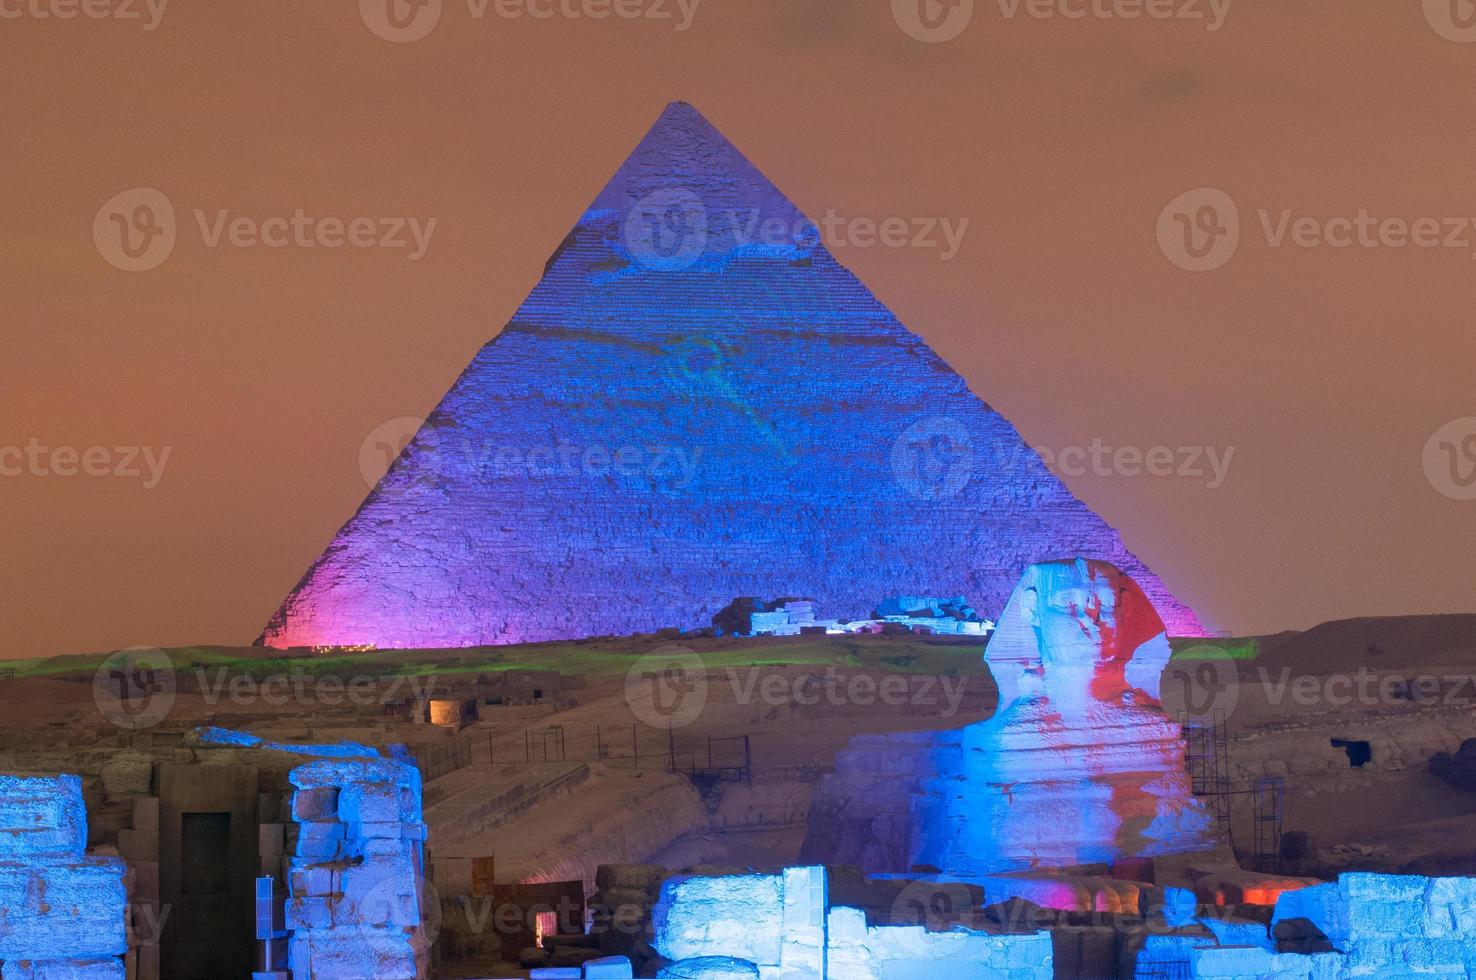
point(1080, 763)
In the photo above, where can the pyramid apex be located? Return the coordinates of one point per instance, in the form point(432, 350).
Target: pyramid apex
point(683, 152)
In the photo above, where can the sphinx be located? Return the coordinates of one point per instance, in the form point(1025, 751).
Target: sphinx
point(1080, 764)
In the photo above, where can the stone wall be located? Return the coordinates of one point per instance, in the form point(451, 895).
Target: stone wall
point(62, 914)
point(357, 879)
point(782, 926)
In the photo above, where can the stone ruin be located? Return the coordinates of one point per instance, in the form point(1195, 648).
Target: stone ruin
point(1078, 765)
point(356, 880)
point(63, 914)
point(743, 927)
point(357, 877)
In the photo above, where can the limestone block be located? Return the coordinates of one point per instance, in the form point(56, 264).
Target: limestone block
point(608, 968)
point(373, 803)
point(139, 845)
point(802, 951)
point(738, 916)
point(271, 841)
point(1450, 908)
point(42, 816)
point(319, 804)
point(108, 969)
point(1239, 962)
point(128, 773)
point(710, 968)
point(146, 814)
point(319, 841)
point(74, 909)
point(367, 954)
point(145, 880)
point(847, 952)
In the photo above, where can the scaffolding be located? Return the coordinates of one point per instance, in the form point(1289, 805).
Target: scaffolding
point(1207, 760)
point(1268, 798)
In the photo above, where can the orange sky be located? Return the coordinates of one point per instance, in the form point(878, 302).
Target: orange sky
point(262, 370)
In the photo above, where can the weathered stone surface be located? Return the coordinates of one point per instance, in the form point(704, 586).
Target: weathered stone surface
point(735, 915)
point(63, 916)
point(72, 908)
point(660, 429)
point(109, 969)
point(710, 968)
point(1458, 768)
point(357, 892)
point(1080, 764)
point(42, 816)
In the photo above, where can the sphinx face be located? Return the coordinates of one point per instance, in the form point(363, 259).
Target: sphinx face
point(1076, 620)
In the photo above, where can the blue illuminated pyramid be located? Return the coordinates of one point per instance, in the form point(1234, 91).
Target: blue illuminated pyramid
point(696, 403)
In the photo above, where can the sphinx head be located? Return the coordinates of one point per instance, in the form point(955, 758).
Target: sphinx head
point(1078, 631)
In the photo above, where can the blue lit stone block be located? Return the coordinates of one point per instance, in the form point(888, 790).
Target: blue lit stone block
point(108, 969)
point(1450, 908)
point(62, 915)
point(352, 954)
point(710, 968)
point(1241, 962)
point(63, 910)
point(42, 816)
point(739, 916)
point(608, 968)
point(1234, 932)
point(356, 881)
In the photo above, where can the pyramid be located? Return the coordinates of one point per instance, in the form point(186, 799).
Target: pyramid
point(696, 402)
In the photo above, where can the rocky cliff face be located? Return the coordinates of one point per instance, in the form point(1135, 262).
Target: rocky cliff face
point(696, 402)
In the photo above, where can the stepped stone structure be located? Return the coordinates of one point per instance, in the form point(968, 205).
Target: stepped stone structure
point(696, 402)
point(63, 914)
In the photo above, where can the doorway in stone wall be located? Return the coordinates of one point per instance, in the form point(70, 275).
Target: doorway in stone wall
point(207, 869)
